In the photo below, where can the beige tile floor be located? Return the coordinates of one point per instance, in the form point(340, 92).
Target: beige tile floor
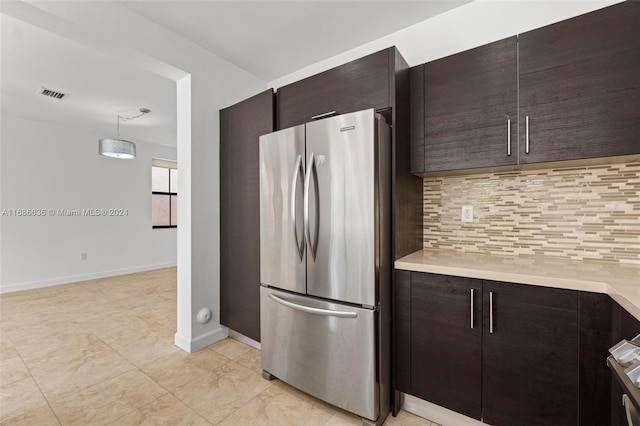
point(101, 352)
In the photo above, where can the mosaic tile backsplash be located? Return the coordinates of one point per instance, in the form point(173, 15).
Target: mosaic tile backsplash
point(582, 213)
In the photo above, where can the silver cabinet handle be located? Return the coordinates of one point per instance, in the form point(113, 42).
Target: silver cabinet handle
point(471, 308)
point(298, 170)
point(311, 170)
point(491, 312)
point(315, 311)
point(326, 114)
point(508, 137)
point(526, 140)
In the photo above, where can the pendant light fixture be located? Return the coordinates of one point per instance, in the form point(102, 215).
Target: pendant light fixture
point(120, 148)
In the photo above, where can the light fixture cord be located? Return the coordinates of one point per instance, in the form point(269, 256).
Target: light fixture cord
point(131, 118)
point(119, 117)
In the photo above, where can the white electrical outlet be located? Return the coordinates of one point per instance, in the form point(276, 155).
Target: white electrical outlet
point(467, 213)
point(83, 256)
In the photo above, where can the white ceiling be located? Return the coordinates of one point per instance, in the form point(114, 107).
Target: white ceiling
point(269, 39)
point(98, 84)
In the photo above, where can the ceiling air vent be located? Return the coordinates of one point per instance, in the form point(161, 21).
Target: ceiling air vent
point(53, 94)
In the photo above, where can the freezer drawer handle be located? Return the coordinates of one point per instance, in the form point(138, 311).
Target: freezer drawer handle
point(298, 171)
point(316, 311)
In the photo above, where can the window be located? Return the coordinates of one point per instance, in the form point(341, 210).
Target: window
point(164, 193)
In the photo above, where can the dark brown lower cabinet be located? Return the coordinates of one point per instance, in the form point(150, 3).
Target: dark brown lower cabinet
point(446, 342)
point(401, 351)
point(595, 322)
point(531, 355)
point(625, 326)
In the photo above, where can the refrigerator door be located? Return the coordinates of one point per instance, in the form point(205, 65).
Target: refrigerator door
point(324, 349)
point(282, 245)
point(340, 208)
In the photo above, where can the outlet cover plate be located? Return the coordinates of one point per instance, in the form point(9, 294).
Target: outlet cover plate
point(467, 213)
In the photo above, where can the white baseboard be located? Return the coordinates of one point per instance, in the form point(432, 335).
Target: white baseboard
point(85, 277)
point(202, 341)
point(182, 342)
point(244, 339)
point(436, 413)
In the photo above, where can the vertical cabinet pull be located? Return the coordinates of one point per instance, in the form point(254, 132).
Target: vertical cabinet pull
point(508, 137)
point(526, 140)
point(491, 312)
point(471, 295)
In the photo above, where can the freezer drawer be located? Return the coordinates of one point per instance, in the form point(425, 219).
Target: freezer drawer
point(325, 349)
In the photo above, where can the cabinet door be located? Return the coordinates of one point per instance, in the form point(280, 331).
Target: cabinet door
point(580, 86)
point(402, 331)
point(595, 316)
point(416, 100)
point(471, 108)
point(354, 86)
point(529, 355)
point(240, 127)
point(624, 326)
point(446, 341)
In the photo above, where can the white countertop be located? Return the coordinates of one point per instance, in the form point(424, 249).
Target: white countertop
point(620, 281)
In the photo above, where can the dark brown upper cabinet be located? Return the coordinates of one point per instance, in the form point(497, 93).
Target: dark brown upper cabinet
point(360, 84)
point(470, 105)
point(240, 127)
point(571, 91)
point(416, 102)
point(380, 81)
point(580, 87)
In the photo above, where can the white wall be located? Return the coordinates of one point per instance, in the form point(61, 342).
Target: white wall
point(44, 166)
point(205, 84)
point(468, 26)
point(214, 83)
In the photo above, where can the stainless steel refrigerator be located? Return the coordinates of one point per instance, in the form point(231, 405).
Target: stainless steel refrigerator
point(325, 263)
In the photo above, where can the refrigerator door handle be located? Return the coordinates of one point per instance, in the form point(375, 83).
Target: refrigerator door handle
point(315, 311)
point(311, 170)
point(298, 171)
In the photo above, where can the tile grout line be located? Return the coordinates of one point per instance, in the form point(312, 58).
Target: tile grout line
point(38, 386)
point(184, 384)
point(140, 371)
point(246, 403)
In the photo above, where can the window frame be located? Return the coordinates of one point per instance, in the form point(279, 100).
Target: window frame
point(168, 165)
